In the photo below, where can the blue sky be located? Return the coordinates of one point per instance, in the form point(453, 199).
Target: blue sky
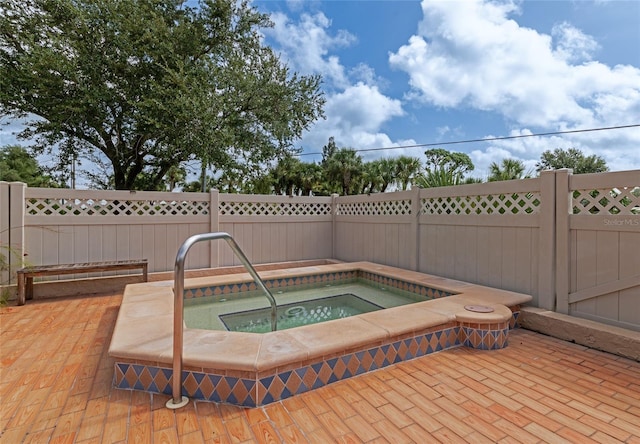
point(408, 72)
point(399, 73)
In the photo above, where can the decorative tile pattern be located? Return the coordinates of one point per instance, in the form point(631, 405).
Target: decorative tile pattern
point(485, 336)
point(515, 316)
point(264, 390)
point(261, 390)
point(422, 290)
point(223, 291)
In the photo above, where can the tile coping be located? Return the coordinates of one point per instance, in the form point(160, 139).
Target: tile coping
point(144, 328)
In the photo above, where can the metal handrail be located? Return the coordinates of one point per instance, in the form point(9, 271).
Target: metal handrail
point(178, 311)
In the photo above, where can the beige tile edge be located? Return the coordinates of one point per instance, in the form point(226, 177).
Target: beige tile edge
point(261, 352)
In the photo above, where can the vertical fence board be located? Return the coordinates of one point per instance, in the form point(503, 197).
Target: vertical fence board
point(161, 249)
point(483, 251)
point(81, 245)
point(149, 248)
point(509, 256)
point(393, 241)
point(135, 242)
point(34, 245)
point(495, 261)
point(607, 256)
point(629, 306)
point(5, 213)
point(123, 241)
point(525, 253)
point(585, 268)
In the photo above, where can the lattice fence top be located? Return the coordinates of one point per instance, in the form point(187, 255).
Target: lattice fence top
point(231, 208)
point(383, 208)
point(516, 203)
point(623, 201)
point(114, 207)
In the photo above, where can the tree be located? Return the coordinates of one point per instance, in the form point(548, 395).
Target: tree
point(572, 158)
point(371, 180)
point(444, 168)
point(328, 150)
point(17, 165)
point(407, 168)
point(387, 169)
point(509, 169)
point(310, 178)
point(285, 176)
point(149, 84)
point(343, 170)
point(175, 175)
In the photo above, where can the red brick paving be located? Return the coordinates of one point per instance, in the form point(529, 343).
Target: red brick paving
point(56, 387)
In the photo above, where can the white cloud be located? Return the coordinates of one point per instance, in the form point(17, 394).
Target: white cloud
point(354, 119)
point(616, 147)
point(474, 54)
point(356, 109)
point(362, 108)
point(572, 44)
point(306, 45)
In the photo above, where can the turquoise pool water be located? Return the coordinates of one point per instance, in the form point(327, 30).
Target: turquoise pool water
point(250, 311)
point(296, 314)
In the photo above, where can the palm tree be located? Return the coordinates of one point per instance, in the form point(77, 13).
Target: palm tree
point(285, 175)
point(387, 170)
point(343, 169)
point(510, 169)
point(370, 180)
point(407, 168)
point(175, 175)
point(309, 178)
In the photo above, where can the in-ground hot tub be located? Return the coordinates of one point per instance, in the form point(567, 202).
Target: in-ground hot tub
point(253, 369)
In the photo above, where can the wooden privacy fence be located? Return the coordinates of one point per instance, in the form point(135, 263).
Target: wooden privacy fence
point(571, 241)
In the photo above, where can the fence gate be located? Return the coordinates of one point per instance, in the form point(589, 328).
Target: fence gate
point(598, 247)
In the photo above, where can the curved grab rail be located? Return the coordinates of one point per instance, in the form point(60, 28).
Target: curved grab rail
point(178, 400)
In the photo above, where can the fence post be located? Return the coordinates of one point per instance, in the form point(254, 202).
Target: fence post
point(563, 259)
point(334, 234)
point(214, 227)
point(5, 276)
point(547, 239)
point(415, 228)
point(11, 228)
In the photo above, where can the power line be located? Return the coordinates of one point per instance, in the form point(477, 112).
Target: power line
point(488, 139)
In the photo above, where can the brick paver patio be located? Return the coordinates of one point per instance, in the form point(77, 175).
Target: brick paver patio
point(56, 387)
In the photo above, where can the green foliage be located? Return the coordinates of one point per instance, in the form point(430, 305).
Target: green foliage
point(285, 175)
point(145, 85)
point(509, 169)
point(441, 159)
point(406, 170)
point(343, 171)
point(17, 165)
point(572, 158)
point(438, 178)
point(328, 151)
point(376, 176)
point(444, 168)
